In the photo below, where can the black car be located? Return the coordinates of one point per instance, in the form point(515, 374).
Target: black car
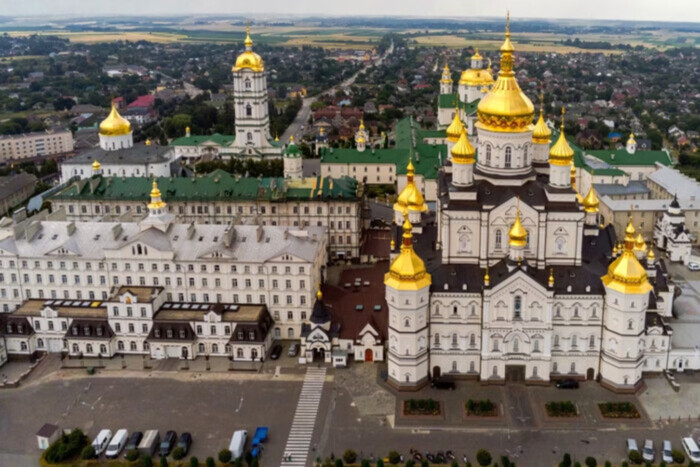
point(567, 384)
point(184, 442)
point(443, 383)
point(133, 443)
point(168, 443)
point(276, 352)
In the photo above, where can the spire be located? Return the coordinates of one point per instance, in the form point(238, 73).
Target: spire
point(550, 282)
point(507, 50)
point(248, 41)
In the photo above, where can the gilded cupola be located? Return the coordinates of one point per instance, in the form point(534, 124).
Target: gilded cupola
point(590, 202)
point(407, 270)
point(506, 108)
point(410, 197)
point(517, 235)
point(96, 165)
point(156, 200)
point(455, 129)
point(463, 152)
point(249, 59)
point(541, 134)
point(626, 274)
point(561, 153)
point(639, 243)
point(115, 124)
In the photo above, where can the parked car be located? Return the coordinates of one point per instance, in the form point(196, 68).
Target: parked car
point(694, 266)
point(648, 451)
point(168, 443)
point(443, 383)
point(666, 452)
point(293, 350)
point(149, 443)
point(632, 445)
point(276, 352)
point(184, 442)
point(691, 449)
point(567, 384)
point(101, 441)
point(238, 443)
point(133, 442)
point(117, 444)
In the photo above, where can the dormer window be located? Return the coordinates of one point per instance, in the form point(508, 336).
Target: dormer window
point(99, 330)
point(182, 333)
point(9, 328)
point(156, 332)
point(169, 333)
point(251, 335)
point(74, 330)
point(240, 335)
point(86, 330)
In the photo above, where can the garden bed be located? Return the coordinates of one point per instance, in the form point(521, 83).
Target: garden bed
point(421, 407)
point(561, 409)
point(618, 410)
point(481, 408)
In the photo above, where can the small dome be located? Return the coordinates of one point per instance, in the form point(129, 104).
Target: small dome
point(407, 271)
point(96, 165)
point(410, 197)
point(590, 202)
point(249, 59)
point(517, 234)
point(475, 77)
point(463, 152)
point(561, 153)
point(541, 134)
point(639, 243)
point(115, 124)
point(455, 129)
point(477, 55)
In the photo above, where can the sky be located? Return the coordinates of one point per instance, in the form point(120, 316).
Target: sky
point(635, 10)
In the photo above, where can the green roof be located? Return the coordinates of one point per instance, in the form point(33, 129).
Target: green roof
point(217, 185)
point(196, 140)
point(620, 157)
point(448, 101)
point(292, 149)
point(611, 171)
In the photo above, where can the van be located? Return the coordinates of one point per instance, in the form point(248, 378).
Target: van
point(117, 444)
point(632, 445)
point(149, 443)
point(101, 441)
point(648, 451)
point(238, 443)
point(691, 449)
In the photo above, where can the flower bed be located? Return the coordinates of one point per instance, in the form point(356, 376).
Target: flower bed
point(421, 407)
point(618, 410)
point(561, 409)
point(481, 408)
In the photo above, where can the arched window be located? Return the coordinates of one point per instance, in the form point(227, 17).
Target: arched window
point(555, 367)
point(556, 341)
point(573, 367)
point(499, 239)
point(516, 345)
point(495, 371)
point(215, 348)
point(471, 367)
point(248, 110)
point(103, 349)
point(76, 349)
point(88, 348)
point(630, 323)
point(591, 341)
point(575, 312)
point(574, 341)
point(454, 339)
point(132, 346)
point(407, 323)
point(250, 137)
point(454, 310)
point(472, 340)
point(247, 83)
point(534, 372)
point(517, 307)
point(488, 154)
point(495, 345)
point(454, 366)
point(509, 154)
point(239, 353)
point(40, 343)
point(201, 347)
point(536, 345)
point(436, 340)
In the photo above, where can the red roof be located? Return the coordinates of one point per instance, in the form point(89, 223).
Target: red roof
point(143, 101)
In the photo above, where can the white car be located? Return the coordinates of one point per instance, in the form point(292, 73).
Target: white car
point(117, 444)
point(648, 451)
point(691, 449)
point(666, 452)
point(694, 266)
point(101, 441)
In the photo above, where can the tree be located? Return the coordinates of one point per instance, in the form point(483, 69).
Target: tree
point(591, 462)
point(163, 461)
point(339, 463)
point(380, 463)
point(349, 456)
point(678, 456)
point(635, 457)
point(210, 462)
point(88, 452)
point(178, 453)
point(147, 461)
point(483, 457)
point(394, 457)
point(364, 463)
point(194, 462)
point(225, 456)
point(63, 103)
point(566, 462)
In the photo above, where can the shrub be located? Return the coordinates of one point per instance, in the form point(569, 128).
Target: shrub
point(608, 464)
point(339, 463)
point(364, 463)
point(210, 462)
point(635, 457)
point(662, 464)
point(178, 453)
point(66, 447)
point(394, 457)
point(678, 456)
point(424, 464)
point(483, 457)
point(380, 463)
point(566, 462)
point(591, 462)
point(625, 464)
point(225, 456)
point(647, 464)
point(88, 452)
point(577, 464)
point(256, 462)
point(454, 464)
point(163, 462)
point(410, 463)
point(505, 461)
point(349, 456)
point(147, 461)
point(132, 455)
point(194, 462)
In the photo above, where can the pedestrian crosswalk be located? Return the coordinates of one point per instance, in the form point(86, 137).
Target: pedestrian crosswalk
point(296, 452)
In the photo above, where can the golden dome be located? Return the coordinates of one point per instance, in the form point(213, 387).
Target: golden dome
point(410, 197)
point(96, 165)
point(319, 294)
point(156, 201)
point(590, 202)
point(541, 133)
point(115, 124)
point(476, 55)
point(626, 274)
point(463, 152)
point(475, 77)
point(487, 278)
point(631, 139)
point(551, 277)
point(455, 129)
point(249, 59)
point(561, 153)
point(517, 235)
point(362, 124)
point(407, 271)
point(361, 139)
point(446, 75)
point(639, 243)
point(651, 256)
point(506, 108)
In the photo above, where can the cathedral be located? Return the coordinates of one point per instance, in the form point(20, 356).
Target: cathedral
point(516, 278)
